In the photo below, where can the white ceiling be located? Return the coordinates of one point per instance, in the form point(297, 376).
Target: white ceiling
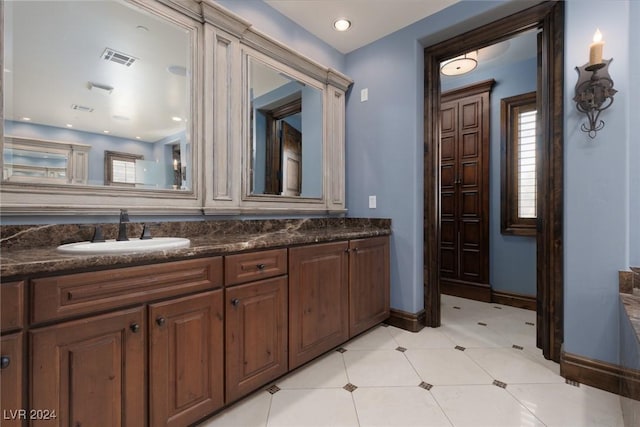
point(370, 19)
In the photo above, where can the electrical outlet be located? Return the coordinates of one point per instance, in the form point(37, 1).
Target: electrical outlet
point(364, 95)
point(372, 202)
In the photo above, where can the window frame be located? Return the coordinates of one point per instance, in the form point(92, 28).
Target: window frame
point(510, 108)
point(109, 157)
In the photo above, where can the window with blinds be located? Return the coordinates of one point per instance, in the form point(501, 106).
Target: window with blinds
point(120, 168)
point(519, 192)
point(527, 164)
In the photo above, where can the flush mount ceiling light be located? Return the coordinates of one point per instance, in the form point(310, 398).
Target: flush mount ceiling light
point(460, 64)
point(342, 24)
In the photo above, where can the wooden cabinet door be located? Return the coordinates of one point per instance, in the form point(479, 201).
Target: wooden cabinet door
point(91, 372)
point(318, 300)
point(368, 283)
point(255, 335)
point(186, 359)
point(11, 375)
point(464, 191)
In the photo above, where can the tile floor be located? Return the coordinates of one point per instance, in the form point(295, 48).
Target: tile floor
point(481, 368)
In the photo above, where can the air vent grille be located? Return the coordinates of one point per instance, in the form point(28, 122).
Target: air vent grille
point(81, 108)
point(113, 55)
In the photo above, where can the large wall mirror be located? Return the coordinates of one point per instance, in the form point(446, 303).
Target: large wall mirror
point(286, 133)
point(112, 77)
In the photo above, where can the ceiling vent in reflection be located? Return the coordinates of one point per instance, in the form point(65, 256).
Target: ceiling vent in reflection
point(118, 57)
point(81, 108)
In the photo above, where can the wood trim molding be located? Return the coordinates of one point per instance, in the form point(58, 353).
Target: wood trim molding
point(549, 16)
point(603, 375)
point(412, 322)
point(512, 299)
point(474, 291)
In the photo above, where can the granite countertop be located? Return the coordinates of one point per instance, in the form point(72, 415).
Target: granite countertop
point(31, 250)
point(631, 304)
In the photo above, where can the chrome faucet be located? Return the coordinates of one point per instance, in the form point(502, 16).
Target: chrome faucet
point(122, 227)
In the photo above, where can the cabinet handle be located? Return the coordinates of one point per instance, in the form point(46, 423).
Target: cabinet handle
point(355, 250)
point(235, 302)
point(134, 327)
point(346, 251)
point(261, 266)
point(161, 321)
point(5, 361)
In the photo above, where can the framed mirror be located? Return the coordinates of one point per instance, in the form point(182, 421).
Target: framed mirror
point(286, 132)
point(111, 77)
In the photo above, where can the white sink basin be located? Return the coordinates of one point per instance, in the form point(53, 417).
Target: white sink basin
point(125, 246)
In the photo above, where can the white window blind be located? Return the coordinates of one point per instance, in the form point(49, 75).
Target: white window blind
point(527, 164)
point(124, 171)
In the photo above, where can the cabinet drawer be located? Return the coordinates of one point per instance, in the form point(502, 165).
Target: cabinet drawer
point(12, 308)
point(85, 293)
point(247, 267)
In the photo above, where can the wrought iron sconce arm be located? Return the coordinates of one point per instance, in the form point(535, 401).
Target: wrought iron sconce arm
point(594, 94)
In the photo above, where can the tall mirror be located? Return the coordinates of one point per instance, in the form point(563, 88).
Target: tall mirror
point(96, 93)
point(286, 134)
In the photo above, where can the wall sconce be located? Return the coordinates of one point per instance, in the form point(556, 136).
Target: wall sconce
point(594, 90)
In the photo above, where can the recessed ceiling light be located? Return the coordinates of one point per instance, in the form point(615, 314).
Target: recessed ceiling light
point(342, 24)
point(105, 131)
point(137, 137)
point(142, 28)
point(178, 70)
point(176, 119)
point(69, 125)
point(26, 119)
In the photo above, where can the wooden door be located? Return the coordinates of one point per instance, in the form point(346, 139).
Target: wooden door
point(186, 359)
point(368, 283)
point(11, 375)
point(91, 372)
point(464, 192)
point(291, 160)
point(318, 300)
point(255, 335)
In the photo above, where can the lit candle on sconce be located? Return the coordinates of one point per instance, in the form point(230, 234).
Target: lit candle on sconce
point(175, 164)
point(595, 49)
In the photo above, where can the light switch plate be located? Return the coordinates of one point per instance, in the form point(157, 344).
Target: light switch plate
point(372, 202)
point(364, 95)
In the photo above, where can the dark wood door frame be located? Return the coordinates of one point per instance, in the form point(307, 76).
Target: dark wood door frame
point(549, 18)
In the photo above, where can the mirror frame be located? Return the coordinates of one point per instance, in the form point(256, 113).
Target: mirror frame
point(230, 39)
point(19, 198)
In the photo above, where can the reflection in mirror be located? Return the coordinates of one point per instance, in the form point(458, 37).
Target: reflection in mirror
point(99, 77)
point(286, 127)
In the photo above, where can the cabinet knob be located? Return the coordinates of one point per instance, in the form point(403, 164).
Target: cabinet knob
point(235, 302)
point(5, 361)
point(134, 327)
point(161, 321)
point(355, 250)
point(261, 266)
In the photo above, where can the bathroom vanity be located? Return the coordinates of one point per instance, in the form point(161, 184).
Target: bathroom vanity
point(170, 337)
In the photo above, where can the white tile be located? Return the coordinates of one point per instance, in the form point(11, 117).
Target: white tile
point(425, 338)
point(447, 367)
point(482, 406)
point(249, 412)
point(326, 371)
point(471, 335)
point(397, 406)
point(379, 368)
point(563, 405)
point(378, 338)
point(512, 366)
point(312, 407)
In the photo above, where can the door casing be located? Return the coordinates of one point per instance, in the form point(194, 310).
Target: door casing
point(548, 17)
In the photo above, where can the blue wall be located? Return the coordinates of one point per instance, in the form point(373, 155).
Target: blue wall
point(512, 259)
point(597, 192)
point(99, 143)
point(385, 141)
